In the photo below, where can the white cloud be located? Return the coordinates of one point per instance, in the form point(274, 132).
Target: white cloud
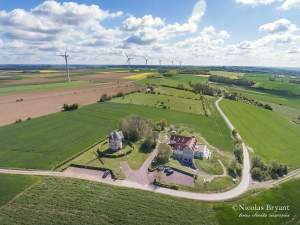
point(279, 26)
point(132, 23)
point(53, 24)
point(290, 4)
point(256, 2)
point(149, 29)
point(294, 50)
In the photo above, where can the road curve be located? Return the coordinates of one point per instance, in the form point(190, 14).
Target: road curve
point(241, 188)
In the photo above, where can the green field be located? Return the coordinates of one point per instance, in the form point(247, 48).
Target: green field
point(270, 135)
point(44, 142)
point(279, 85)
point(12, 185)
point(61, 201)
point(39, 87)
point(67, 201)
point(175, 80)
point(286, 194)
point(176, 92)
point(171, 102)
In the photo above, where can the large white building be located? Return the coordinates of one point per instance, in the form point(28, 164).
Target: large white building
point(185, 149)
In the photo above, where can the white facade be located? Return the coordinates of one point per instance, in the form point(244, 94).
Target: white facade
point(116, 140)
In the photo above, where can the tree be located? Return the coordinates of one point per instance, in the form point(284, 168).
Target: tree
point(257, 162)
point(268, 107)
point(150, 141)
point(257, 174)
point(162, 124)
point(135, 128)
point(164, 153)
point(239, 155)
point(104, 98)
point(235, 170)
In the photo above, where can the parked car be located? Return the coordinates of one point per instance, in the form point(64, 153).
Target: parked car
point(169, 171)
point(105, 174)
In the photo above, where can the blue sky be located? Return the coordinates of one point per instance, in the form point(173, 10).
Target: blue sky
point(232, 28)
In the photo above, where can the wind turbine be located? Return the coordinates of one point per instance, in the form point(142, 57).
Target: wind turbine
point(128, 60)
point(66, 57)
point(172, 62)
point(146, 60)
point(160, 62)
point(180, 63)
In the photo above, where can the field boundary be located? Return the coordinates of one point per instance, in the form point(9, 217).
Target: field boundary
point(68, 160)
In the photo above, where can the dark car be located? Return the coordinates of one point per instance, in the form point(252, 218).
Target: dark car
point(169, 171)
point(105, 174)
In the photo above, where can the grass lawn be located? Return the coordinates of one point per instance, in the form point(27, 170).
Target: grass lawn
point(272, 136)
point(218, 184)
point(61, 201)
point(155, 100)
point(286, 194)
point(12, 185)
point(44, 142)
point(211, 166)
point(135, 159)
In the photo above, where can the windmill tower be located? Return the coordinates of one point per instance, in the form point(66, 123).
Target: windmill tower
point(66, 57)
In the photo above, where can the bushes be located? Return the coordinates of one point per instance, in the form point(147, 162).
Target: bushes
point(235, 169)
point(239, 97)
point(164, 154)
point(238, 153)
point(226, 80)
point(261, 171)
point(71, 107)
point(205, 89)
point(105, 98)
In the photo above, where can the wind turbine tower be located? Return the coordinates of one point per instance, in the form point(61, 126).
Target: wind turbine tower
point(160, 62)
point(146, 60)
point(66, 57)
point(128, 60)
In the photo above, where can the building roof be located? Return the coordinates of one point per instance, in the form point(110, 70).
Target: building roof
point(180, 142)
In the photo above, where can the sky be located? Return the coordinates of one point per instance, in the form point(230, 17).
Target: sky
point(194, 32)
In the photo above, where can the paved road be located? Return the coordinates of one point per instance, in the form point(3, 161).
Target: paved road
point(241, 188)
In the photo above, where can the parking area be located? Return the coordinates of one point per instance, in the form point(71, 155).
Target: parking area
point(88, 173)
point(177, 178)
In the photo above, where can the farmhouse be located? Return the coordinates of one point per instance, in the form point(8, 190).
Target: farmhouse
point(115, 140)
point(185, 149)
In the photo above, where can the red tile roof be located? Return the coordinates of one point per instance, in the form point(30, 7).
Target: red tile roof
point(179, 142)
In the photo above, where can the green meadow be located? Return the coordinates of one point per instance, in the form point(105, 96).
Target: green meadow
point(287, 194)
point(67, 201)
point(271, 135)
point(12, 185)
point(45, 142)
point(175, 80)
point(159, 101)
point(39, 87)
